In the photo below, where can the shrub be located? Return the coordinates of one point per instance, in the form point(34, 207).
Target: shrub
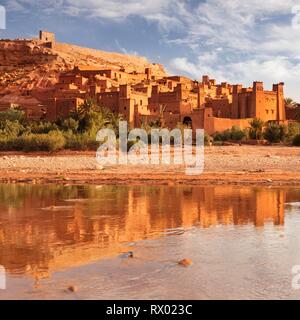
point(207, 139)
point(70, 124)
point(296, 140)
point(224, 136)
point(218, 143)
point(12, 115)
point(41, 127)
point(83, 141)
point(234, 134)
point(93, 121)
point(237, 134)
point(4, 144)
point(274, 132)
point(52, 141)
point(293, 131)
point(256, 129)
point(77, 131)
point(10, 128)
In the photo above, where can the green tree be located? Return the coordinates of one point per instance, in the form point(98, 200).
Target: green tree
point(275, 132)
point(293, 131)
point(290, 103)
point(296, 141)
point(237, 134)
point(256, 128)
point(87, 106)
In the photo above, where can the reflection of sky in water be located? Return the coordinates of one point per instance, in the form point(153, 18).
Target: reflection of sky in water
point(239, 237)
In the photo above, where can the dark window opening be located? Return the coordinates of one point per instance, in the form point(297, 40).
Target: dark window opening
point(187, 121)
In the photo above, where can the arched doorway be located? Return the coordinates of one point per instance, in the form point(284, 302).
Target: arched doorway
point(187, 121)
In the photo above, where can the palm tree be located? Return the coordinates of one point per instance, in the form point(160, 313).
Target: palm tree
point(290, 103)
point(86, 107)
point(256, 128)
point(162, 109)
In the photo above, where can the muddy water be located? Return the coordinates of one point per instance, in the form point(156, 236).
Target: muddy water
point(243, 242)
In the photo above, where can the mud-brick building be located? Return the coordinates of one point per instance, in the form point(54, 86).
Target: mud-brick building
point(259, 103)
point(142, 93)
point(293, 113)
point(47, 38)
point(200, 104)
point(126, 101)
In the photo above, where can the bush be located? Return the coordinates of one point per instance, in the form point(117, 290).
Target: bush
point(207, 139)
point(274, 132)
point(237, 134)
point(53, 141)
point(70, 124)
point(11, 128)
point(12, 115)
point(296, 140)
point(218, 143)
point(77, 131)
point(256, 129)
point(93, 121)
point(224, 136)
point(234, 134)
point(41, 127)
point(293, 131)
point(82, 141)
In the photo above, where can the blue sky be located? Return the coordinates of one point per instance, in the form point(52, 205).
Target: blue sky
point(233, 40)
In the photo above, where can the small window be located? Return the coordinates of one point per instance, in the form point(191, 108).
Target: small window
point(124, 108)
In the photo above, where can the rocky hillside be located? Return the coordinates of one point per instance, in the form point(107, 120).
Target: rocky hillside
point(27, 64)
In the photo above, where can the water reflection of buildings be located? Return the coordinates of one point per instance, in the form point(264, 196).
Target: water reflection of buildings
point(39, 242)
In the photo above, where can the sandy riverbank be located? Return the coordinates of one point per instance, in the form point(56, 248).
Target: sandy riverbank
point(246, 165)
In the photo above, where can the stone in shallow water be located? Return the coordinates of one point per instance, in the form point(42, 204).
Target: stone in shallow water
point(72, 288)
point(185, 262)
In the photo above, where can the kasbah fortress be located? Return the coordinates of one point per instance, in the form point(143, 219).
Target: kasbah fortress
point(48, 80)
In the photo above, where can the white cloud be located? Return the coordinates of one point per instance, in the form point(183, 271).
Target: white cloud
point(183, 65)
point(270, 71)
point(14, 5)
point(232, 40)
point(162, 12)
point(124, 50)
point(256, 38)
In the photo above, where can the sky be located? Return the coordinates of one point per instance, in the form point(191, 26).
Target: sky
point(235, 41)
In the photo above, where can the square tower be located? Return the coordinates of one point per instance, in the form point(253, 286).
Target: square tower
point(48, 38)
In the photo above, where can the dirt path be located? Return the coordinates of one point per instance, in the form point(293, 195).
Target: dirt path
point(258, 165)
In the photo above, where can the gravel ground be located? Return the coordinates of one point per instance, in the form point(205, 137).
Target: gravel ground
point(231, 164)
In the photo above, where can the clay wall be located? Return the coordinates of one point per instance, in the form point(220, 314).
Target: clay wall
point(65, 106)
point(212, 124)
point(109, 100)
point(221, 107)
point(293, 113)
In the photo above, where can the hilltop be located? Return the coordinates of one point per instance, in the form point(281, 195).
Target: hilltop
point(27, 64)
